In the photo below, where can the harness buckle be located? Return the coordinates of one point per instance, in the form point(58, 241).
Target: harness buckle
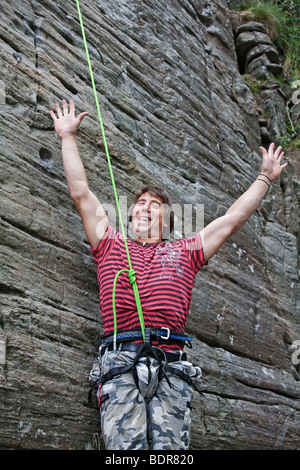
point(167, 332)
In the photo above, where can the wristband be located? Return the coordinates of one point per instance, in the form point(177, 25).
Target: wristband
point(266, 177)
point(259, 179)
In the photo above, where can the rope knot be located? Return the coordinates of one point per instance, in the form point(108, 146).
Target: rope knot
point(132, 276)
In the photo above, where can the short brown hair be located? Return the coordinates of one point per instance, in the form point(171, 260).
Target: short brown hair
point(166, 199)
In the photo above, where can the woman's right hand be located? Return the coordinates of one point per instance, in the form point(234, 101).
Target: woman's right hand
point(65, 122)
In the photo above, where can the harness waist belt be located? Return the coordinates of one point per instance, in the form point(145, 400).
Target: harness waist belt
point(170, 356)
point(163, 334)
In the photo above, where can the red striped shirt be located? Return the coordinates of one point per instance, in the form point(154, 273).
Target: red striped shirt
point(165, 274)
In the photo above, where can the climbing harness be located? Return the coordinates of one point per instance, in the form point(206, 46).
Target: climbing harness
point(126, 338)
point(163, 334)
point(164, 358)
point(130, 271)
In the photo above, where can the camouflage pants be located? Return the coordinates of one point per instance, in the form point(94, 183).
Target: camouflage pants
point(139, 411)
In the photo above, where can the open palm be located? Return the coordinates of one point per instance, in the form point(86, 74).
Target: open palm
point(271, 161)
point(65, 122)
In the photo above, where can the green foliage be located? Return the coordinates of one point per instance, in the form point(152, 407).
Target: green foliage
point(255, 84)
point(288, 40)
point(266, 12)
point(282, 21)
point(290, 141)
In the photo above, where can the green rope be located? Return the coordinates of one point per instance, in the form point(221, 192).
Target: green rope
point(130, 271)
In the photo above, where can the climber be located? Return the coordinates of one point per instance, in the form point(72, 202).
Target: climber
point(145, 387)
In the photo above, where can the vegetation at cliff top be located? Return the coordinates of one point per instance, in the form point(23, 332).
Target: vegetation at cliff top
point(282, 21)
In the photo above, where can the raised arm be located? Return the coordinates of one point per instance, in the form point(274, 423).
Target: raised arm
point(90, 209)
point(217, 232)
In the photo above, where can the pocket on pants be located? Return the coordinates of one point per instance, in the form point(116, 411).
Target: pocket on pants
point(112, 359)
point(170, 412)
point(123, 416)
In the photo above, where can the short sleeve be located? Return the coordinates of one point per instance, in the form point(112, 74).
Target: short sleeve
point(194, 252)
point(105, 245)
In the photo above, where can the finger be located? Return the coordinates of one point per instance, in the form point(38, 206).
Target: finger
point(271, 148)
point(58, 110)
point(278, 152)
point(280, 156)
point(72, 107)
point(65, 107)
point(263, 151)
point(82, 115)
point(52, 115)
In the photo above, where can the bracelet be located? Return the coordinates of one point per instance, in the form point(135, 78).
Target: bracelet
point(266, 177)
point(259, 179)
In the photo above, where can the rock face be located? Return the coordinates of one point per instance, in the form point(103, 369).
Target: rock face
point(176, 113)
point(255, 51)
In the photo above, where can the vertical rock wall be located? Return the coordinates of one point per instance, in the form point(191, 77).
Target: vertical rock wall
point(177, 113)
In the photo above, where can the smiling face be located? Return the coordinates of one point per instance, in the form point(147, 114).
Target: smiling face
point(147, 218)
